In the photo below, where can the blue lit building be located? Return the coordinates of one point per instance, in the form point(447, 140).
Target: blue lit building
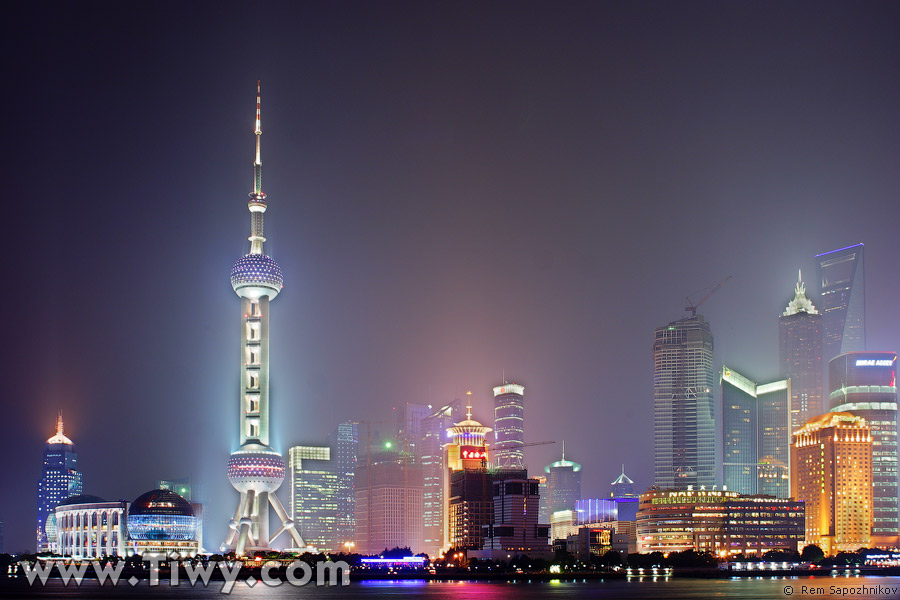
point(162, 521)
point(60, 479)
point(563, 484)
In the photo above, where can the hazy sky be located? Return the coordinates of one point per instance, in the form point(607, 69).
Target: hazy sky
point(455, 189)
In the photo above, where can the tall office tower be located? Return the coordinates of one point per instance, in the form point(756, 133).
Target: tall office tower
point(314, 496)
point(623, 486)
point(388, 492)
point(864, 384)
point(563, 484)
point(60, 479)
point(800, 353)
point(831, 471)
point(468, 483)
point(842, 283)
point(409, 426)
point(344, 442)
point(515, 527)
point(683, 407)
point(543, 506)
point(509, 423)
point(255, 469)
point(433, 430)
point(756, 435)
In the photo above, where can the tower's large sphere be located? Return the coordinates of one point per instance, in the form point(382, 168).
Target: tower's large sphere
point(256, 470)
point(256, 275)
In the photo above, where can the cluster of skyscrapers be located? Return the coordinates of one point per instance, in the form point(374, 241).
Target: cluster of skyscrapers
point(777, 433)
point(822, 466)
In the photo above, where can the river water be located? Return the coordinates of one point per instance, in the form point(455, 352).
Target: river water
point(696, 589)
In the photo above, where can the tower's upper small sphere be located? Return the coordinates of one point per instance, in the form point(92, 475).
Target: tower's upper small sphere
point(255, 275)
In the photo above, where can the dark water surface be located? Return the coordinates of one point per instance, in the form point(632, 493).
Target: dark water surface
point(697, 589)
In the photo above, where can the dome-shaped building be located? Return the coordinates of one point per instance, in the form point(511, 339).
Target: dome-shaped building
point(162, 521)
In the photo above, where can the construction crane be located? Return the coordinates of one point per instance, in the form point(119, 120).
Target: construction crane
point(538, 443)
point(693, 307)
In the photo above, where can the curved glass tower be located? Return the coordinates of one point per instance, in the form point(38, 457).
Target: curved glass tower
point(255, 469)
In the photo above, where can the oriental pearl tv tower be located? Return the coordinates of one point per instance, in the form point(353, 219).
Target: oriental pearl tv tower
point(255, 469)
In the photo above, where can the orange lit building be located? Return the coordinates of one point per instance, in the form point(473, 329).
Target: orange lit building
point(831, 471)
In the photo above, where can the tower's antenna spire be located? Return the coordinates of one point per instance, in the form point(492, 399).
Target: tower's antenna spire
point(257, 203)
point(564, 450)
point(59, 423)
point(469, 405)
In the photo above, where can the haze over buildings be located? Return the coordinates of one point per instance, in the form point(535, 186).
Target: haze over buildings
point(460, 190)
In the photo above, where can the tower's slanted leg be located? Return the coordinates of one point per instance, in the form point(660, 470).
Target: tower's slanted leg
point(262, 518)
point(245, 523)
point(231, 540)
point(286, 523)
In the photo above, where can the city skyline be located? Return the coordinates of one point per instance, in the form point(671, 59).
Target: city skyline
point(445, 215)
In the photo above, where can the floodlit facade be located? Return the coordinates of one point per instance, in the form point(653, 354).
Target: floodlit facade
point(683, 407)
point(162, 522)
point(60, 479)
point(831, 467)
point(800, 352)
point(255, 469)
point(509, 425)
point(756, 435)
point(842, 283)
point(724, 523)
point(515, 528)
point(90, 527)
point(315, 490)
point(865, 384)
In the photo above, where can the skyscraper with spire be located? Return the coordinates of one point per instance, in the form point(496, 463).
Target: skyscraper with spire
point(255, 469)
point(60, 479)
point(800, 353)
point(563, 484)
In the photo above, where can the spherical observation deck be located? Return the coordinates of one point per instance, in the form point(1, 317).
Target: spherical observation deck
point(256, 275)
point(256, 470)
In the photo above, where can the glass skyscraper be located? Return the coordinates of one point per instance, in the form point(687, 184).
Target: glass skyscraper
point(563, 484)
point(509, 426)
point(842, 283)
point(756, 435)
point(60, 479)
point(433, 430)
point(344, 443)
point(864, 384)
point(683, 407)
point(800, 353)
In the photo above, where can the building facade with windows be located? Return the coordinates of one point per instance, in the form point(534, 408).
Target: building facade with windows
point(842, 284)
point(683, 406)
point(432, 458)
point(831, 472)
point(723, 523)
point(315, 491)
point(865, 384)
point(756, 441)
point(60, 479)
point(509, 426)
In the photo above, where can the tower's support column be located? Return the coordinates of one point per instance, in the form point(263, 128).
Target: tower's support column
point(263, 520)
point(286, 523)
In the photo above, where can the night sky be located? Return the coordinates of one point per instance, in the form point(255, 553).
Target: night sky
point(456, 190)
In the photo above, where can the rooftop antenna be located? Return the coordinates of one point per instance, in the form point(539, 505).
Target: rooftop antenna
point(469, 405)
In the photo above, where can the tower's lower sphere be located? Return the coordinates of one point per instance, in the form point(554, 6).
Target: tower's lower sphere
point(257, 471)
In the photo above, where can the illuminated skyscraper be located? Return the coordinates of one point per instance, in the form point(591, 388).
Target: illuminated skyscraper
point(684, 413)
point(255, 469)
point(622, 486)
point(431, 455)
point(563, 484)
point(864, 384)
point(831, 472)
point(756, 435)
point(314, 496)
point(800, 350)
point(509, 425)
point(842, 283)
point(60, 479)
point(344, 442)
